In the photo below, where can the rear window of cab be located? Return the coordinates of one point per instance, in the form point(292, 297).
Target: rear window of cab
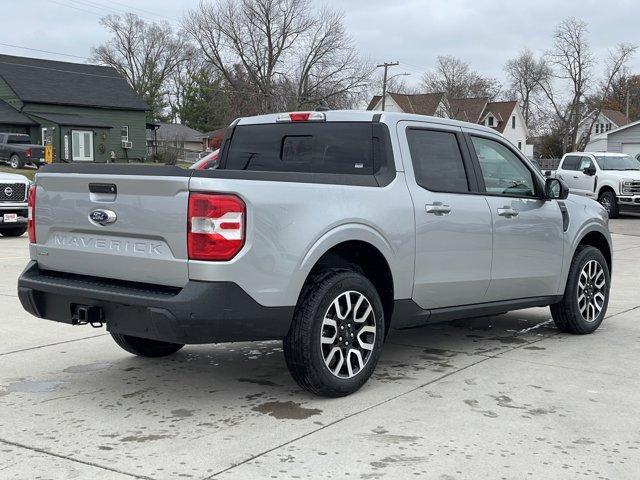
point(327, 147)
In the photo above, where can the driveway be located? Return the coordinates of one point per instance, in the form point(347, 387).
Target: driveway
point(498, 397)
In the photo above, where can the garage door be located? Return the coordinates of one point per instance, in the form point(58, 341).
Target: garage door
point(632, 149)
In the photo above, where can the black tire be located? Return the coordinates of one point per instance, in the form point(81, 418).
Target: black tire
point(302, 345)
point(566, 314)
point(15, 162)
point(144, 347)
point(609, 201)
point(14, 231)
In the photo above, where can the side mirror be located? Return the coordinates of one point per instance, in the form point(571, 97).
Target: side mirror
point(591, 171)
point(555, 189)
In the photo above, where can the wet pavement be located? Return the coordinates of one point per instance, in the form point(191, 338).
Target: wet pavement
point(497, 397)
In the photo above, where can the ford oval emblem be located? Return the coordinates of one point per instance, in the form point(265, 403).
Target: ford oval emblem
point(102, 217)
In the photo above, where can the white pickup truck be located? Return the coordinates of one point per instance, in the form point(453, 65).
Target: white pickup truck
point(613, 179)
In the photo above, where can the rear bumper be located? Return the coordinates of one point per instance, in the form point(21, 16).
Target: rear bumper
point(200, 312)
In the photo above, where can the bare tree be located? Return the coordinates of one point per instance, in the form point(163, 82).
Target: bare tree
point(525, 74)
point(146, 54)
point(618, 58)
point(456, 79)
point(572, 64)
point(329, 66)
point(283, 51)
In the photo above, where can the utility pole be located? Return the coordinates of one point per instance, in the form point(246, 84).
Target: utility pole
point(386, 66)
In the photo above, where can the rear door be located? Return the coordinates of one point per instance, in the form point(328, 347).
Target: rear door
point(528, 231)
point(3, 146)
point(452, 222)
point(145, 242)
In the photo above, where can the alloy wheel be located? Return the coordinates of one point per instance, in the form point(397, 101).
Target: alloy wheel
point(592, 292)
point(348, 334)
point(606, 203)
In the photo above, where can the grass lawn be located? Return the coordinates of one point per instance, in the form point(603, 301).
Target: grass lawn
point(28, 172)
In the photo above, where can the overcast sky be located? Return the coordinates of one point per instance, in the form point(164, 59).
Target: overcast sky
point(414, 32)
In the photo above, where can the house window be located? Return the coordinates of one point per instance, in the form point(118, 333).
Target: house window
point(513, 122)
point(82, 145)
point(608, 126)
point(124, 133)
point(519, 143)
point(490, 121)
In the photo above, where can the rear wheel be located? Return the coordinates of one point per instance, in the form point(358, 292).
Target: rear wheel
point(15, 161)
point(145, 347)
point(337, 332)
point(13, 232)
point(586, 295)
point(610, 203)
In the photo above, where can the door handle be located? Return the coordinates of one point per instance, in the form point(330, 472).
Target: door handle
point(575, 176)
point(508, 212)
point(437, 208)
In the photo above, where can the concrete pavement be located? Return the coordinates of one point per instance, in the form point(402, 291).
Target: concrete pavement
point(499, 397)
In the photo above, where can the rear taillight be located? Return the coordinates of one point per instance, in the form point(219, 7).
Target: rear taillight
point(215, 226)
point(27, 152)
point(31, 213)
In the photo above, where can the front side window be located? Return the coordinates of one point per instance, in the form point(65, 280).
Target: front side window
point(585, 162)
point(437, 161)
point(503, 172)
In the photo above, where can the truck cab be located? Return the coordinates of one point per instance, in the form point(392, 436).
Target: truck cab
point(613, 179)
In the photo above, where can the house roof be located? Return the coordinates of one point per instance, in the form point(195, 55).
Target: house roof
point(72, 120)
point(175, 132)
point(35, 80)
point(501, 111)
point(10, 115)
point(617, 117)
point(468, 109)
point(420, 103)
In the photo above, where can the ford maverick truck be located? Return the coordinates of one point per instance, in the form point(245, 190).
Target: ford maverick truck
point(320, 229)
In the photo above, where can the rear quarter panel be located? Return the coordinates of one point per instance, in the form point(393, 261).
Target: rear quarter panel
point(291, 225)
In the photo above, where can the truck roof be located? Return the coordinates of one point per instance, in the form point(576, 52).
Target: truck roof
point(368, 116)
point(600, 154)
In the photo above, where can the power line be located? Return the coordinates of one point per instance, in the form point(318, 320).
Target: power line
point(76, 8)
point(63, 71)
point(140, 9)
point(22, 47)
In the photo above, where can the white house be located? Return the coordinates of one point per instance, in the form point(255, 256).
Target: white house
point(505, 117)
point(625, 139)
point(607, 120)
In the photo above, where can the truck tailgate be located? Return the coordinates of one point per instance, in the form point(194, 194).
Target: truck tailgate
point(146, 242)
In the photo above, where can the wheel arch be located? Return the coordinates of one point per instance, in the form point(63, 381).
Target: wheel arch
point(598, 240)
point(604, 188)
point(360, 246)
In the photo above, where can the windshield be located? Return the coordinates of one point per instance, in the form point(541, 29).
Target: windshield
point(618, 162)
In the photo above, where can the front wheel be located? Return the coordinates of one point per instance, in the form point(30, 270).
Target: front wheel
point(610, 203)
point(144, 347)
point(586, 295)
point(336, 335)
point(15, 162)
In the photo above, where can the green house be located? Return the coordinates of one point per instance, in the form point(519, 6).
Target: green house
point(88, 113)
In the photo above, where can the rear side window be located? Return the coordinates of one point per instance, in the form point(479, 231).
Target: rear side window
point(571, 162)
point(25, 139)
point(437, 161)
point(332, 147)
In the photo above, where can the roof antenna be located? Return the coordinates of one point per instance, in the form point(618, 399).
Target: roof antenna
point(323, 106)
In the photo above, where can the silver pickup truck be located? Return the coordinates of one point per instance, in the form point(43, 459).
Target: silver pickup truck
point(321, 229)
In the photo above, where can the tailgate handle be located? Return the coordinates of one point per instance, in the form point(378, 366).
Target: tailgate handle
point(103, 188)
